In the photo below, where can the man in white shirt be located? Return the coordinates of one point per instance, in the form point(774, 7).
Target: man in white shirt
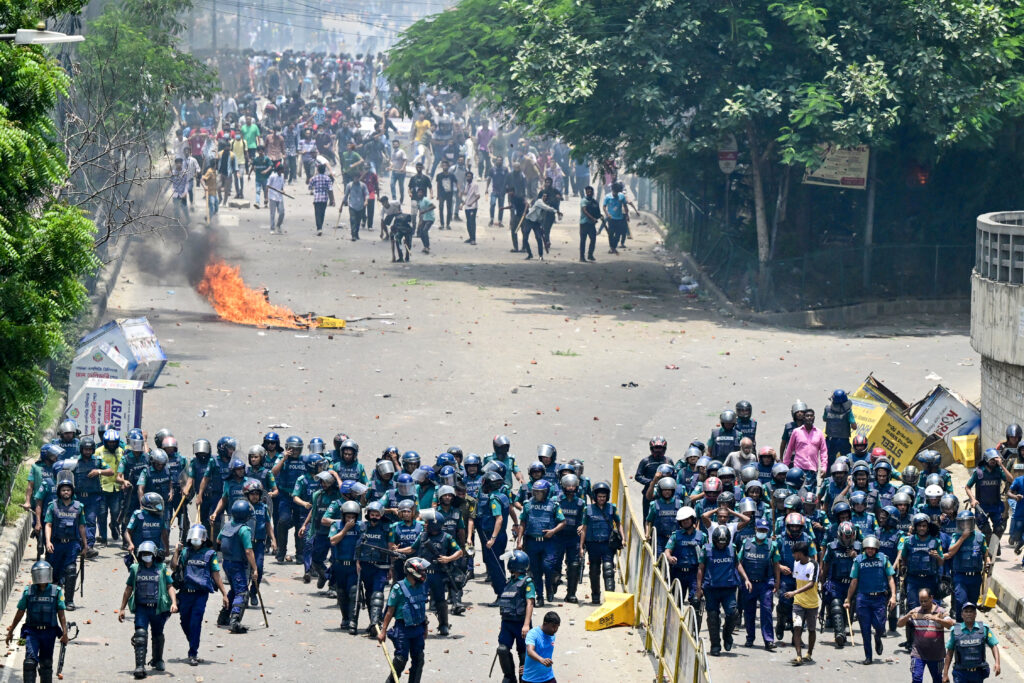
point(275, 198)
point(470, 199)
point(399, 160)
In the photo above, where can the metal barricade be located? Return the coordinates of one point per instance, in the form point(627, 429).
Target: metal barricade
point(668, 623)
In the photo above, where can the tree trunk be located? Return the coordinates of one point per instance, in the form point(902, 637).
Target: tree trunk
point(760, 211)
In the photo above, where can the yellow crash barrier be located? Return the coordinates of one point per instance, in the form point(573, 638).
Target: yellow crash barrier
point(618, 609)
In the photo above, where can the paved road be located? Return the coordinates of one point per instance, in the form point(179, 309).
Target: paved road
point(478, 342)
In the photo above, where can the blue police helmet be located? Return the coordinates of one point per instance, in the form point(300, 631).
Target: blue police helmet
point(241, 510)
point(519, 562)
point(839, 397)
point(795, 476)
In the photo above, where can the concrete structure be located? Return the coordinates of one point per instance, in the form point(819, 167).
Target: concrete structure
point(997, 320)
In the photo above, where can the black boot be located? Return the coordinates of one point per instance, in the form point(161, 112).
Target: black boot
point(28, 671)
point(508, 667)
point(70, 579)
point(353, 608)
point(442, 618)
point(595, 585)
point(224, 618)
point(235, 625)
point(715, 632)
point(46, 671)
point(399, 665)
point(139, 641)
point(458, 608)
point(376, 613)
point(839, 626)
point(552, 585)
point(346, 610)
point(572, 580)
point(416, 669)
point(730, 624)
point(158, 652)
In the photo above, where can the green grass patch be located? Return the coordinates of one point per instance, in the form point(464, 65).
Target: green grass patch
point(627, 307)
point(174, 363)
point(47, 416)
point(568, 352)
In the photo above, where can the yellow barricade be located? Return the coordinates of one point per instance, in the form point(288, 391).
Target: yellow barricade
point(669, 626)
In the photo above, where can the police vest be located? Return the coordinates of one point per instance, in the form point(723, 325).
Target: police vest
point(512, 601)
point(720, 567)
point(572, 510)
point(379, 488)
point(414, 609)
point(41, 607)
point(599, 522)
point(747, 429)
point(551, 476)
point(473, 486)
point(837, 422)
point(487, 520)
point(684, 547)
point(291, 470)
point(839, 561)
point(865, 522)
point(374, 538)
point(987, 485)
point(904, 523)
point(919, 563)
point(764, 474)
point(321, 501)
point(234, 489)
point(757, 560)
point(70, 447)
point(407, 533)
point(889, 540)
point(883, 494)
point(871, 576)
point(258, 522)
point(786, 547)
point(215, 477)
point(665, 519)
point(971, 556)
point(723, 443)
point(158, 481)
point(176, 464)
point(969, 646)
point(345, 550)
point(199, 569)
point(65, 521)
point(231, 545)
point(432, 546)
point(83, 482)
point(199, 468)
point(262, 475)
point(540, 517)
point(149, 527)
point(452, 517)
point(133, 466)
point(147, 585)
point(348, 471)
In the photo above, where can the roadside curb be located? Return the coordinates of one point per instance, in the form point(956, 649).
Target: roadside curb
point(1009, 601)
point(837, 317)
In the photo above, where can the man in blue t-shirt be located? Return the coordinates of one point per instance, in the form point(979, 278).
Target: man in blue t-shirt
point(614, 206)
point(540, 645)
point(1016, 493)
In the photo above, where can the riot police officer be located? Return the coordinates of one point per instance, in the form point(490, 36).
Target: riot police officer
point(746, 426)
point(156, 478)
point(661, 516)
point(567, 545)
point(515, 604)
point(872, 583)
point(683, 551)
point(599, 522)
point(89, 488)
point(325, 508)
point(988, 480)
point(374, 565)
point(717, 580)
point(211, 487)
point(969, 553)
point(836, 564)
point(839, 424)
point(40, 481)
point(262, 525)
point(43, 603)
point(501, 454)
point(965, 649)
point(150, 595)
point(725, 438)
point(492, 517)
point(239, 563)
point(455, 526)
point(177, 468)
point(797, 413)
point(200, 578)
point(65, 527)
point(649, 465)
point(439, 549)
point(287, 513)
point(201, 452)
point(407, 607)
point(133, 463)
point(147, 524)
point(540, 523)
point(67, 438)
point(757, 558)
point(383, 479)
point(347, 465)
point(403, 535)
point(344, 538)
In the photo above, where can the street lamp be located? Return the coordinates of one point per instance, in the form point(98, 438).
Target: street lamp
point(39, 36)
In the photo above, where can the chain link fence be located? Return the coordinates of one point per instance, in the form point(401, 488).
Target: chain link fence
point(823, 278)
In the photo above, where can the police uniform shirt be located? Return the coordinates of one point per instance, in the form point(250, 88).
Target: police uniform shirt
point(988, 637)
point(25, 594)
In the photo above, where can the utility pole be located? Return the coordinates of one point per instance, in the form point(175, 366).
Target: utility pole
point(213, 24)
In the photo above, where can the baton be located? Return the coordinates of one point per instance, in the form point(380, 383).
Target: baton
point(64, 647)
point(489, 673)
point(849, 617)
point(263, 607)
point(81, 574)
point(391, 665)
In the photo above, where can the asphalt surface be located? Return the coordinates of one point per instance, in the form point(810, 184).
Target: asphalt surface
point(458, 346)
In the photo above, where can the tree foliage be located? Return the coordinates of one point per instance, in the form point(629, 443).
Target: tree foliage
point(45, 246)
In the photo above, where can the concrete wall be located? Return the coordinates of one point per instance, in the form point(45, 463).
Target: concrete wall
point(997, 333)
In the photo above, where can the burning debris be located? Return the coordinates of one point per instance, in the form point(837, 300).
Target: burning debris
point(233, 300)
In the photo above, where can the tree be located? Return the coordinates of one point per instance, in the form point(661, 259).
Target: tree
point(45, 245)
point(657, 81)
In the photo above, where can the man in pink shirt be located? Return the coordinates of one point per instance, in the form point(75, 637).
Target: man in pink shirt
point(807, 450)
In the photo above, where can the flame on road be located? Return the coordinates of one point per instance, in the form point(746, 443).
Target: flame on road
point(223, 287)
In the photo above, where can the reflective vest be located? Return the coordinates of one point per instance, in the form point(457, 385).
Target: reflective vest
point(871, 575)
point(971, 556)
point(720, 567)
point(969, 646)
point(65, 520)
point(837, 422)
point(512, 601)
point(757, 559)
point(147, 585)
point(684, 547)
point(83, 482)
point(41, 607)
point(839, 561)
point(539, 518)
point(723, 443)
point(199, 569)
point(374, 538)
point(414, 609)
point(599, 522)
point(231, 545)
point(916, 550)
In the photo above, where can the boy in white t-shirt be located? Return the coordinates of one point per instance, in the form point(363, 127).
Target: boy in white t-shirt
point(806, 601)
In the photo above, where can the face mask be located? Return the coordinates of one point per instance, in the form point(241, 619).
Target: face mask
point(146, 559)
point(196, 543)
point(761, 535)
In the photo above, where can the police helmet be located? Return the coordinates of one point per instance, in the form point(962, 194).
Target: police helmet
point(1013, 431)
point(601, 487)
point(720, 536)
point(748, 473)
point(727, 417)
point(416, 568)
point(471, 460)
point(385, 468)
point(196, 535)
point(68, 427)
point(747, 506)
point(199, 447)
point(241, 510)
point(949, 503)
point(42, 572)
point(667, 484)
point(501, 444)
point(252, 486)
point(159, 457)
point(86, 443)
point(686, 512)
point(792, 502)
point(920, 518)
point(316, 445)
point(406, 505)
point(546, 450)
point(839, 397)
point(797, 407)
point(577, 465)
point(226, 446)
point(351, 507)
point(902, 498)
point(446, 490)
point(540, 489)
point(271, 441)
point(374, 506)
point(910, 475)
point(326, 477)
point(159, 437)
point(492, 482)
point(136, 442)
point(965, 521)
point(712, 485)
point(153, 502)
point(779, 470)
point(847, 530)
point(726, 472)
point(871, 542)
point(65, 478)
point(841, 507)
point(146, 549)
point(569, 482)
point(447, 475)
point(858, 498)
point(795, 477)
point(893, 513)
point(726, 499)
point(744, 409)
point(519, 562)
point(294, 442)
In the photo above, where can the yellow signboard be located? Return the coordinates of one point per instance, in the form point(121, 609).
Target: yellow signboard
point(886, 428)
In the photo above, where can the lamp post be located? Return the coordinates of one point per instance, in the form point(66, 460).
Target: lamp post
point(39, 36)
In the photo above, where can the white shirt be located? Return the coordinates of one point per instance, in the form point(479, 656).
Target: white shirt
point(399, 160)
point(275, 184)
point(470, 196)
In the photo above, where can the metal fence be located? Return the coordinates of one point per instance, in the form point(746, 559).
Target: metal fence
point(669, 625)
point(821, 278)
